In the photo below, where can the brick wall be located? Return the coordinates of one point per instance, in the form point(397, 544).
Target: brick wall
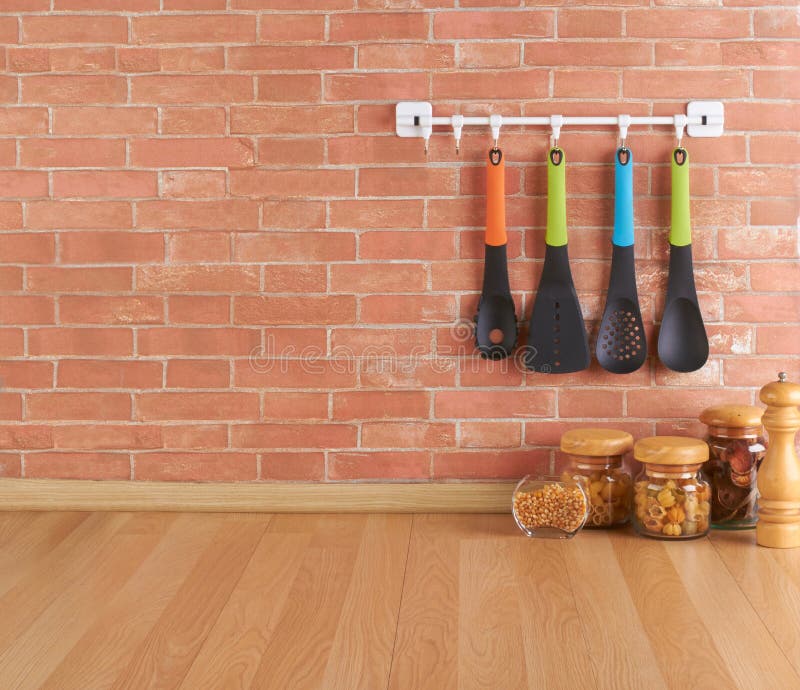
point(191, 188)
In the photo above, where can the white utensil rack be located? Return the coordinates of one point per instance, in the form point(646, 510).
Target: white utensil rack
point(416, 119)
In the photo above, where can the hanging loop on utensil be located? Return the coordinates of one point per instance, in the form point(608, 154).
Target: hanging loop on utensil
point(556, 123)
point(495, 122)
point(680, 125)
point(458, 124)
point(495, 156)
point(624, 122)
point(679, 154)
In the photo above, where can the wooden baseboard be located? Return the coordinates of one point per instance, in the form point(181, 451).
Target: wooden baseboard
point(228, 497)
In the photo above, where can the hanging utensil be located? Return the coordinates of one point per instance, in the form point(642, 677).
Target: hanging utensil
point(621, 347)
point(496, 321)
point(557, 342)
point(682, 340)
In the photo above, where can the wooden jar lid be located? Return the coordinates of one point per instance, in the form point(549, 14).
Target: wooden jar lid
point(596, 442)
point(781, 393)
point(732, 416)
point(671, 450)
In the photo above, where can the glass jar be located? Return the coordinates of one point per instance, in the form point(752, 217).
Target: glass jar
point(596, 456)
point(550, 507)
point(736, 448)
point(671, 500)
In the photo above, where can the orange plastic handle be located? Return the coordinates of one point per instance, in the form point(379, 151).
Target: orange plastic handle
point(495, 199)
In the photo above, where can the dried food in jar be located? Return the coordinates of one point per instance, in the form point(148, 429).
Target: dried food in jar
point(549, 507)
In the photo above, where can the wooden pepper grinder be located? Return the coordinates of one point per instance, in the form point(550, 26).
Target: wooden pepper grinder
point(779, 475)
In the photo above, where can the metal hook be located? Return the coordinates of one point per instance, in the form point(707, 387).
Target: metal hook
point(556, 122)
point(680, 125)
point(495, 122)
point(624, 123)
point(458, 124)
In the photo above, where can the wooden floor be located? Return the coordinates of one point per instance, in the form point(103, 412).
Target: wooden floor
point(138, 600)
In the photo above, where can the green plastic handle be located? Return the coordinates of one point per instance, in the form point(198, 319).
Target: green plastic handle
point(680, 233)
point(556, 235)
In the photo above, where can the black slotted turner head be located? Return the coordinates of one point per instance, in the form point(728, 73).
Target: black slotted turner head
point(557, 342)
point(621, 347)
point(496, 321)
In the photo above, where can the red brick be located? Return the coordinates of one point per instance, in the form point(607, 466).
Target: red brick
point(99, 279)
point(752, 53)
point(384, 465)
point(473, 55)
point(99, 120)
point(412, 309)
point(772, 116)
point(774, 148)
point(193, 183)
point(286, 405)
point(20, 437)
point(376, 26)
point(491, 434)
point(296, 278)
point(292, 183)
point(9, 29)
point(367, 278)
point(8, 157)
point(292, 4)
point(692, 84)
point(407, 182)
point(197, 28)
point(407, 435)
point(196, 247)
point(777, 340)
point(379, 150)
point(10, 215)
point(197, 341)
point(193, 467)
point(585, 83)
point(405, 56)
point(197, 278)
point(23, 183)
point(216, 152)
point(277, 371)
point(114, 5)
point(686, 23)
point(728, 340)
point(26, 374)
point(354, 405)
point(482, 464)
point(94, 59)
point(195, 4)
point(750, 308)
point(360, 213)
point(9, 89)
point(199, 309)
point(324, 119)
point(493, 24)
point(472, 404)
point(23, 120)
point(88, 406)
point(293, 466)
point(106, 309)
point(690, 53)
point(590, 23)
point(198, 373)
point(754, 181)
point(194, 59)
point(291, 151)
point(28, 60)
point(29, 248)
point(108, 184)
point(195, 121)
point(180, 88)
point(72, 153)
point(589, 403)
point(80, 341)
point(75, 29)
point(752, 371)
point(77, 466)
point(11, 406)
point(138, 59)
point(603, 54)
point(164, 406)
point(487, 84)
point(78, 214)
point(775, 22)
point(83, 373)
point(12, 342)
point(290, 88)
point(111, 247)
point(279, 310)
point(407, 245)
point(686, 403)
point(10, 278)
point(284, 435)
point(195, 436)
point(106, 436)
point(373, 86)
point(26, 309)
point(310, 58)
point(228, 214)
point(774, 84)
point(291, 28)
point(293, 214)
point(774, 212)
point(781, 277)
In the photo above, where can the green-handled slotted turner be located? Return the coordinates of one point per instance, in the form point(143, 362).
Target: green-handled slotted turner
point(682, 340)
point(557, 341)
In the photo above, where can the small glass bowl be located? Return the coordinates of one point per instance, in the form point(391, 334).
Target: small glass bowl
point(550, 507)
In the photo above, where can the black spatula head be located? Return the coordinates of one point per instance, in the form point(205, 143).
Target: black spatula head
point(557, 342)
point(496, 321)
point(621, 346)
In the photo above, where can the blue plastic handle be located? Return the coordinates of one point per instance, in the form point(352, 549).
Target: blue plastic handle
point(623, 200)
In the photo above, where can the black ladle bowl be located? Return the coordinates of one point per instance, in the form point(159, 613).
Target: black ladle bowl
point(682, 342)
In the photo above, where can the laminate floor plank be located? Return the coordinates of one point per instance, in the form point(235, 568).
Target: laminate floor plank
point(773, 591)
point(620, 651)
point(27, 662)
point(66, 564)
point(106, 648)
point(27, 540)
point(165, 655)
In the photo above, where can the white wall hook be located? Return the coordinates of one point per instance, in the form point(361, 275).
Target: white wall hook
point(495, 122)
point(458, 124)
point(556, 123)
point(624, 123)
